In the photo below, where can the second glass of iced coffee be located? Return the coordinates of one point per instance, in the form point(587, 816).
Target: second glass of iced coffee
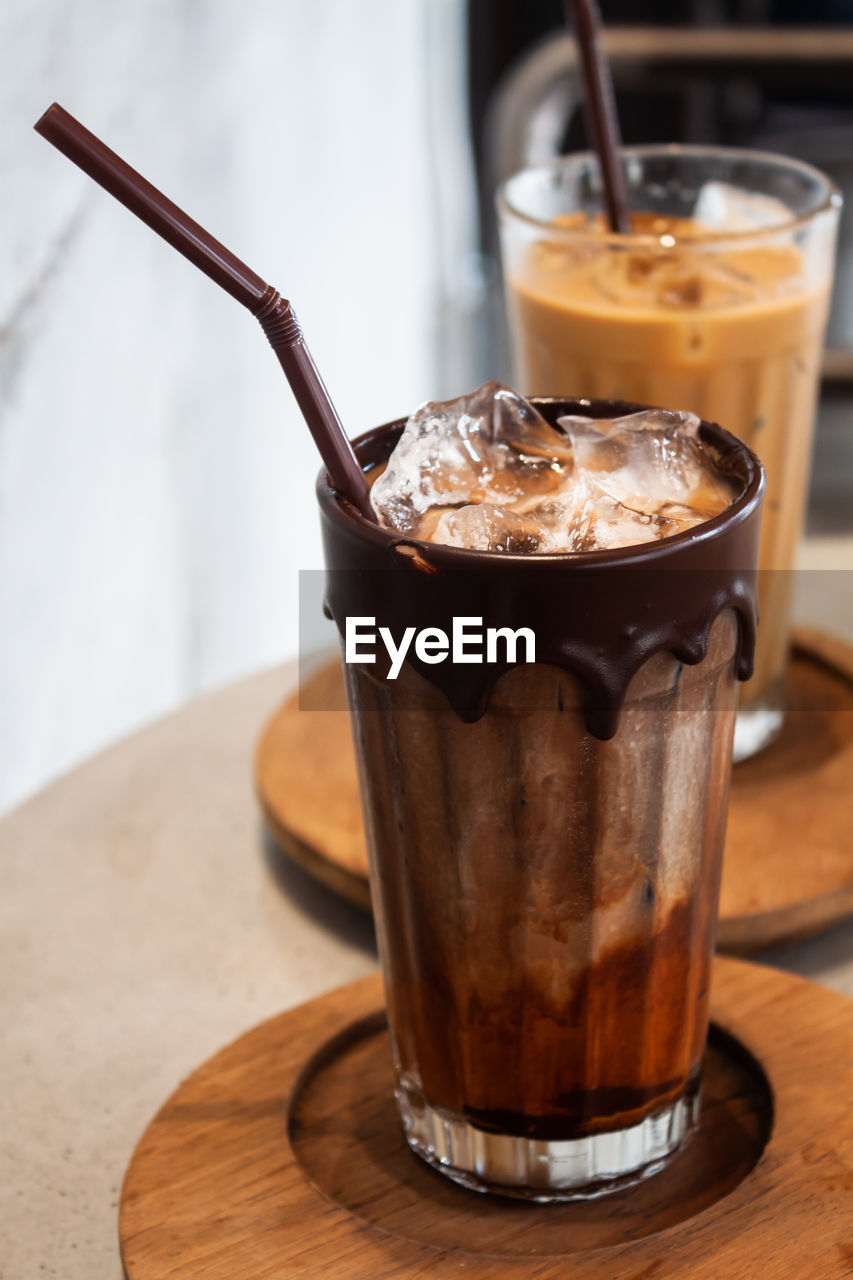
point(545, 829)
point(716, 303)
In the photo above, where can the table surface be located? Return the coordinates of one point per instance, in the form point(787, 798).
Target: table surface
point(144, 923)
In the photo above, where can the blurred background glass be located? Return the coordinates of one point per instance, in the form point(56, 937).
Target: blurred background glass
point(775, 76)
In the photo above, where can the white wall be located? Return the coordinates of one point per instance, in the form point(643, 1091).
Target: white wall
point(156, 481)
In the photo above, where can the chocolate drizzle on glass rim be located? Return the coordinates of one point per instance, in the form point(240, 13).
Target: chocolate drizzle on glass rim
point(598, 615)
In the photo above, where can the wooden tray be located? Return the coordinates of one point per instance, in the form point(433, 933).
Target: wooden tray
point(788, 869)
point(283, 1156)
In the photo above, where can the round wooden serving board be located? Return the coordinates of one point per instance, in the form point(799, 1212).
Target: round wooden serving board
point(788, 869)
point(283, 1156)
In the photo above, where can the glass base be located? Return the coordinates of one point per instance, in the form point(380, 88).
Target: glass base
point(534, 1169)
point(757, 725)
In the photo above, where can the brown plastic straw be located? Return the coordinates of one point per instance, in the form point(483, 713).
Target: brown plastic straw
point(265, 303)
point(601, 119)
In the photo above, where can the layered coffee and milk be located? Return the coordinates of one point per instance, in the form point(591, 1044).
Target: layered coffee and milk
point(545, 839)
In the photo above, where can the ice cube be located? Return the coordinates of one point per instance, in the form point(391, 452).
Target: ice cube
point(650, 462)
point(487, 528)
point(723, 207)
point(682, 278)
point(490, 447)
point(597, 521)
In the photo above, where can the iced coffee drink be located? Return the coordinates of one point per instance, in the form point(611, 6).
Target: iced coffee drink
point(545, 828)
point(716, 303)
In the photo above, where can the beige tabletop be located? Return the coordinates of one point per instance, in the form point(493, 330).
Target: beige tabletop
point(145, 923)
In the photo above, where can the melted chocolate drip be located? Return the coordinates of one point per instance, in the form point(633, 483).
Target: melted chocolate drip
point(598, 615)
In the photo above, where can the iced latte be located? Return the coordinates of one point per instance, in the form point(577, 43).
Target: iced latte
point(716, 303)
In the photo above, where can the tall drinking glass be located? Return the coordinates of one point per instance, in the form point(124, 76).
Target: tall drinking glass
point(717, 303)
point(545, 837)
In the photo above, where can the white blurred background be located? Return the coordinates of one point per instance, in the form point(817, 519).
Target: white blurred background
point(156, 481)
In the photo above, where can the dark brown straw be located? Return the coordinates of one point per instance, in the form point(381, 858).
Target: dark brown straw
point(600, 110)
point(265, 303)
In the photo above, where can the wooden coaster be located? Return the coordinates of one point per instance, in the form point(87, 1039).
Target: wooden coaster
point(283, 1155)
point(788, 869)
